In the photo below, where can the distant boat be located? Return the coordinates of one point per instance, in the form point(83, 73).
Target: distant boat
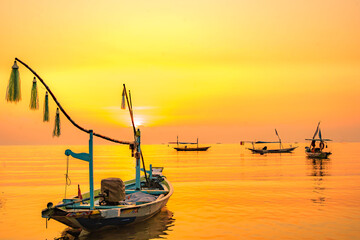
point(266, 150)
point(317, 151)
point(188, 148)
point(191, 148)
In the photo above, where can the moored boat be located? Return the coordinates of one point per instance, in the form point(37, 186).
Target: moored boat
point(191, 148)
point(116, 203)
point(281, 150)
point(188, 146)
point(317, 146)
point(265, 149)
point(136, 207)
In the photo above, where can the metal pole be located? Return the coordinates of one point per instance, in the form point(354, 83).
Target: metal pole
point(137, 156)
point(91, 170)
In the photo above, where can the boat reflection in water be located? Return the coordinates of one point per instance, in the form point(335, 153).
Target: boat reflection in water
point(319, 169)
point(155, 227)
point(2, 202)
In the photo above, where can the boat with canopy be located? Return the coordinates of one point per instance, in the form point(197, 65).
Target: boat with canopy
point(116, 203)
point(317, 145)
point(264, 149)
point(183, 146)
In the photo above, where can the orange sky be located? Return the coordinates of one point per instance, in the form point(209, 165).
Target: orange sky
point(223, 71)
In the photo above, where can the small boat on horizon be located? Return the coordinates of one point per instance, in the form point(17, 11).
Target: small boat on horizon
point(317, 150)
point(265, 149)
point(186, 148)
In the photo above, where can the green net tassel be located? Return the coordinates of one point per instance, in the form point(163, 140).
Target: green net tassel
point(34, 100)
point(13, 93)
point(46, 108)
point(56, 131)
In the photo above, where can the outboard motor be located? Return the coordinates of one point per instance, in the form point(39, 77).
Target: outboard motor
point(113, 191)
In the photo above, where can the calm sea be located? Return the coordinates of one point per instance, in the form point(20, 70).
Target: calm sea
point(224, 193)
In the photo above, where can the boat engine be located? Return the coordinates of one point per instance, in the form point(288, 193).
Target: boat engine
point(113, 191)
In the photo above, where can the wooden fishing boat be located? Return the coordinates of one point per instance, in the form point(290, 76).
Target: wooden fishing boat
point(77, 213)
point(265, 149)
point(116, 203)
point(190, 147)
point(281, 150)
point(317, 146)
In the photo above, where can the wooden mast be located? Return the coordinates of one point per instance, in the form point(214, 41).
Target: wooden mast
point(136, 138)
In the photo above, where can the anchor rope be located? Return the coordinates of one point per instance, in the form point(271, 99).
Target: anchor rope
point(67, 179)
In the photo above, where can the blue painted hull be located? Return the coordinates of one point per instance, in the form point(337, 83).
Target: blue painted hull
point(95, 224)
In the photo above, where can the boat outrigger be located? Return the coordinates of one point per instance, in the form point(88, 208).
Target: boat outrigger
point(116, 203)
point(317, 150)
point(265, 149)
point(186, 148)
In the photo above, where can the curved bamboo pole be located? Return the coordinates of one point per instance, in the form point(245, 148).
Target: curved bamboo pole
point(65, 113)
point(129, 103)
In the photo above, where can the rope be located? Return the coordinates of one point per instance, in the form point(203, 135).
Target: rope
point(67, 179)
point(65, 113)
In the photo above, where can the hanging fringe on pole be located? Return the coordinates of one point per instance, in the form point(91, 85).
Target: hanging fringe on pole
point(46, 108)
point(13, 93)
point(123, 99)
point(56, 131)
point(10, 97)
point(34, 100)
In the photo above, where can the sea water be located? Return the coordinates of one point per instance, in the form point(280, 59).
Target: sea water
point(224, 193)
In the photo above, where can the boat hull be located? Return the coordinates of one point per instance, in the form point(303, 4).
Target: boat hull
point(134, 215)
point(321, 155)
point(100, 217)
point(191, 149)
point(262, 151)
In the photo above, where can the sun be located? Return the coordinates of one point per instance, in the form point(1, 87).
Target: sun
point(139, 121)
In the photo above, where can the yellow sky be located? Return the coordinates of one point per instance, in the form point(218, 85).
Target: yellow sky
point(223, 71)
